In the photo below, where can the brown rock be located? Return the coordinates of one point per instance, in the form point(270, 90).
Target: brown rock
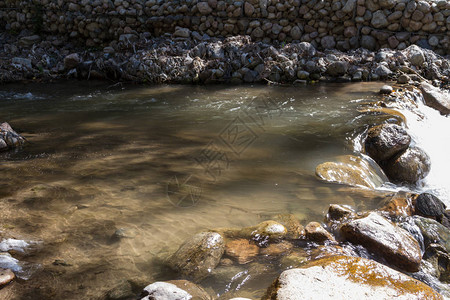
point(385, 239)
point(351, 170)
point(241, 250)
point(316, 233)
point(410, 167)
point(295, 230)
point(6, 276)
point(400, 205)
point(278, 249)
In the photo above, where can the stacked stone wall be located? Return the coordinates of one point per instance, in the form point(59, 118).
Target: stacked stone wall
point(327, 24)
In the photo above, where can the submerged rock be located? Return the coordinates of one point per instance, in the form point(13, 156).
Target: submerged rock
point(277, 249)
point(386, 140)
point(174, 290)
point(345, 277)
point(316, 233)
point(385, 239)
point(400, 205)
point(198, 255)
point(9, 139)
point(410, 167)
point(242, 250)
point(436, 98)
point(262, 234)
point(352, 170)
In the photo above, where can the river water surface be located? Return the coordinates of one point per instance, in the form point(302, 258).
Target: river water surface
point(115, 178)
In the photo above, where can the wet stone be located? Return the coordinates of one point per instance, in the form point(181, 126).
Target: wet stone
point(198, 255)
point(386, 89)
point(385, 141)
point(410, 167)
point(241, 250)
point(315, 232)
point(384, 239)
point(430, 206)
point(277, 249)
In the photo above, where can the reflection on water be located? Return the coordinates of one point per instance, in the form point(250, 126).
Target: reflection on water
point(104, 167)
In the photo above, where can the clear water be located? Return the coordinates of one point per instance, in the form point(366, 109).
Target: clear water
point(115, 178)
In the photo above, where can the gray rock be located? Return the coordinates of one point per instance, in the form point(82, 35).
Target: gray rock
point(436, 98)
point(337, 68)
point(429, 205)
point(328, 42)
point(9, 138)
point(71, 61)
point(387, 3)
point(379, 20)
point(410, 167)
point(307, 48)
point(415, 55)
point(368, 42)
point(198, 255)
point(433, 232)
point(303, 75)
point(385, 239)
point(349, 6)
point(182, 32)
point(382, 71)
point(23, 62)
point(345, 277)
point(296, 33)
point(386, 89)
point(165, 291)
point(204, 8)
point(403, 79)
point(27, 41)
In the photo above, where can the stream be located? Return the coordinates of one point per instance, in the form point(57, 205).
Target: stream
point(115, 178)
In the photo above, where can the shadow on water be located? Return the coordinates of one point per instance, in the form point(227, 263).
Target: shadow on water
point(92, 182)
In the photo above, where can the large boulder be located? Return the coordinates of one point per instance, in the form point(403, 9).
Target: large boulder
point(198, 255)
point(352, 170)
point(9, 139)
point(174, 290)
point(436, 98)
point(409, 167)
point(384, 239)
point(345, 277)
point(385, 141)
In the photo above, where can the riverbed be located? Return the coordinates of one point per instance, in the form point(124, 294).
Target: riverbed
point(115, 177)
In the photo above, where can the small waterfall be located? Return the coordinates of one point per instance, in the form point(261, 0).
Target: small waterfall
point(431, 132)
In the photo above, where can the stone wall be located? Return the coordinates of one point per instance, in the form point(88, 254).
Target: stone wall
point(341, 24)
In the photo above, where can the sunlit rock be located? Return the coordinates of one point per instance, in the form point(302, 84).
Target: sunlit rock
point(174, 290)
point(436, 98)
point(386, 140)
point(400, 205)
point(6, 276)
point(345, 277)
point(198, 255)
point(385, 239)
point(9, 139)
point(352, 170)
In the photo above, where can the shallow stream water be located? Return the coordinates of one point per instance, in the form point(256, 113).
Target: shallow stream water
point(115, 178)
